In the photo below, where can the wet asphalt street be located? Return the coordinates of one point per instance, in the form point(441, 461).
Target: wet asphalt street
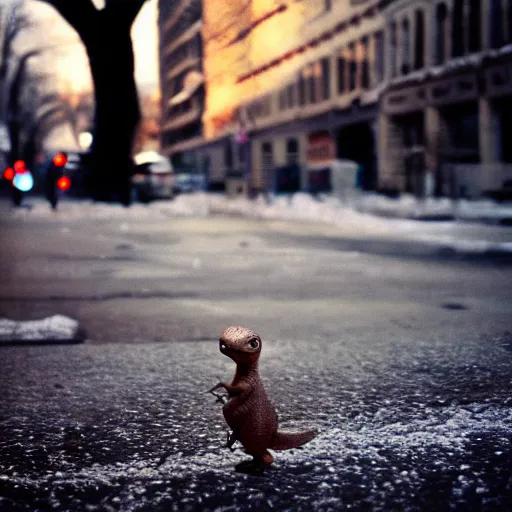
point(398, 352)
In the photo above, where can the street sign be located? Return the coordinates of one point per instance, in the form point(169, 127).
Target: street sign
point(5, 140)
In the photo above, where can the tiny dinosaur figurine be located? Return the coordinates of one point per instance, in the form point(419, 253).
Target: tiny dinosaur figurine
point(248, 412)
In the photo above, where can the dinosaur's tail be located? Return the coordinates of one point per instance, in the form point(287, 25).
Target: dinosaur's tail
point(286, 441)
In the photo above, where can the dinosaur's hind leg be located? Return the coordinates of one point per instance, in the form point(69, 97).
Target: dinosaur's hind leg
point(257, 465)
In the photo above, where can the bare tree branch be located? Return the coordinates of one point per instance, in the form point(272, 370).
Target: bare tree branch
point(16, 23)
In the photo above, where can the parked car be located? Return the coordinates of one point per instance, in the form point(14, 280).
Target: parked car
point(187, 182)
point(153, 178)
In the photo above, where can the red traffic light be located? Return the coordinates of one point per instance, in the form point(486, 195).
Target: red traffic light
point(19, 166)
point(60, 160)
point(64, 183)
point(9, 174)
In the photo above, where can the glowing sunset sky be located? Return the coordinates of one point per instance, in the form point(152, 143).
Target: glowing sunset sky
point(71, 61)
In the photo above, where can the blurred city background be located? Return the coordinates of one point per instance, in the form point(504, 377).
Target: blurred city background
point(269, 97)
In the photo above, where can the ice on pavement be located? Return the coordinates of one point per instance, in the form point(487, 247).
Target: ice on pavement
point(359, 215)
point(382, 457)
point(56, 327)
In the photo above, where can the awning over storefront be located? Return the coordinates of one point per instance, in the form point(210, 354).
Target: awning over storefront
point(191, 83)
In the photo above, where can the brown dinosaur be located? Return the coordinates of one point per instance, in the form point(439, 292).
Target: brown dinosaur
point(248, 412)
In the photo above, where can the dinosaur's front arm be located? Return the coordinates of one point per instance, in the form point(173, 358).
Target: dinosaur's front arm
point(233, 390)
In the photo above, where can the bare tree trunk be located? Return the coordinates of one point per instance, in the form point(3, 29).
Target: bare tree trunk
point(106, 35)
point(117, 112)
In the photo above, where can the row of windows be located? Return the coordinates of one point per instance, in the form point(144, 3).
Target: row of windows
point(174, 85)
point(456, 33)
point(402, 30)
point(179, 109)
point(501, 22)
point(313, 83)
point(191, 49)
point(174, 111)
point(190, 15)
point(466, 34)
point(171, 137)
point(260, 108)
point(267, 152)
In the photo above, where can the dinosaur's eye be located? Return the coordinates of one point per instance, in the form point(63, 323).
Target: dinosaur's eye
point(254, 343)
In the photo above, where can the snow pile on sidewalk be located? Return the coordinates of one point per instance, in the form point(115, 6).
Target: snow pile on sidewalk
point(57, 328)
point(297, 207)
point(408, 206)
point(368, 207)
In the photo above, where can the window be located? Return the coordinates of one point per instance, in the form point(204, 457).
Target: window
point(475, 18)
point(290, 96)
point(312, 79)
point(393, 48)
point(405, 47)
point(268, 105)
point(267, 162)
point(496, 24)
point(365, 71)
point(302, 88)
point(458, 28)
point(440, 34)
point(379, 57)
point(292, 151)
point(228, 154)
point(352, 78)
point(508, 17)
point(282, 99)
point(419, 41)
point(325, 88)
point(462, 125)
point(342, 64)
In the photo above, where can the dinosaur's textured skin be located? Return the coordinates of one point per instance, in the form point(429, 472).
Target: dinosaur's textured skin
point(248, 411)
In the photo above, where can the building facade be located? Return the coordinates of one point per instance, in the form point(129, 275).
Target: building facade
point(290, 84)
point(417, 92)
point(181, 80)
point(445, 116)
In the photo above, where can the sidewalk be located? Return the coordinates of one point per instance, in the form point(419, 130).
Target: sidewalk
point(433, 209)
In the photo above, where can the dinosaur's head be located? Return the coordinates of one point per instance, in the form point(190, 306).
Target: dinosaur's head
point(240, 344)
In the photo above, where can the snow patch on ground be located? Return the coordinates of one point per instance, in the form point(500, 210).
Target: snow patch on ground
point(57, 327)
point(384, 458)
point(359, 215)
